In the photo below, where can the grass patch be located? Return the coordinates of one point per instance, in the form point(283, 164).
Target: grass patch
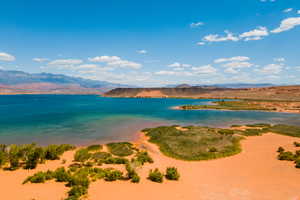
point(195, 143)
point(94, 147)
point(229, 105)
point(120, 149)
point(282, 129)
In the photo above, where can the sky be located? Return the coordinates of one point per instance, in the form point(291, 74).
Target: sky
point(154, 43)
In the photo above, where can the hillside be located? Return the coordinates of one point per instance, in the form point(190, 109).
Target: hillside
point(18, 82)
point(285, 93)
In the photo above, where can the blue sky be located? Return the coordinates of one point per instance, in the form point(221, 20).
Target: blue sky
point(152, 43)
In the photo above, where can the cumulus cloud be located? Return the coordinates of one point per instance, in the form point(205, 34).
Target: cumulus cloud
point(116, 61)
point(196, 24)
point(177, 64)
point(236, 58)
point(40, 59)
point(173, 73)
point(6, 57)
point(288, 10)
point(142, 51)
point(256, 34)
point(238, 65)
point(65, 62)
point(287, 24)
point(272, 69)
point(231, 71)
point(217, 38)
point(206, 69)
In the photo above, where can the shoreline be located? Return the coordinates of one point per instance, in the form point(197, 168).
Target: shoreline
point(231, 178)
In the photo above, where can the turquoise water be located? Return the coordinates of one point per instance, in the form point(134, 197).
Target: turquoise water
point(85, 119)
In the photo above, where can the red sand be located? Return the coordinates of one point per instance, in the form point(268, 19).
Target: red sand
point(254, 174)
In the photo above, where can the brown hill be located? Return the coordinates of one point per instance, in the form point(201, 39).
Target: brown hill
point(283, 93)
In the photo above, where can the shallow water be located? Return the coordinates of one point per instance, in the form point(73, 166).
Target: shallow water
point(85, 119)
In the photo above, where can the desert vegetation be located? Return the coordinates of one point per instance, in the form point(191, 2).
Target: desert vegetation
point(28, 156)
point(88, 166)
point(194, 143)
point(272, 106)
point(289, 156)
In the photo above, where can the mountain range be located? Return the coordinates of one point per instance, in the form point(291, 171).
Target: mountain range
point(14, 82)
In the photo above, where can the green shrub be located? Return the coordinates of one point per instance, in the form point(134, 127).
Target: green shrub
point(297, 144)
point(34, 157)
point(82, 155)
point(297, 162)
point(113, 175)
point(115, 160)
point(280, 149)
point(143, 157)
point(155, 176)
point(135, 178)
point(39, 177)
point(77, 191)
point(94, 147)
point(3, 158)
point(287, 155)
point(61, 175)
point(120, 149)
point(172, 173)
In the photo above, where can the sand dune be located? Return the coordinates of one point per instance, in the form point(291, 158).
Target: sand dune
point(254, 174)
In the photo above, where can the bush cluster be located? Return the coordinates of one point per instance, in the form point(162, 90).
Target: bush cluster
point(289, 156)
point(156, 176)
point(120, 148)
point(172, 173)
point(29, 156)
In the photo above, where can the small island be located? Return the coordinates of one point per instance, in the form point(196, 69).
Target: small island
point(239, 105)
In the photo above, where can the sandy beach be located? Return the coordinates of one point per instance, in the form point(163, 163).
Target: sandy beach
point(254, 174)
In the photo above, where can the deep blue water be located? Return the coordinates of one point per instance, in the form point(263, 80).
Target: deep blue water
point(84, 119)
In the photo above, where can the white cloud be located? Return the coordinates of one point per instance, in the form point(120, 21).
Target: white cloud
point(231, 70)
point(40, 59)
point(6, 57)
point(238, 65)
point(116, 61)
point(173, 73)
point(279, 59)
point(272, 69)
point(256, 34)
point(288, 10)
point(142, 51)
point(196, 24)
point(216, 38)
point(297, 68)
point(1, 67)
point(65, 62)
point(177, 64)
point(87, 66)
point(236, 58)
point(206, 69)
point(298, 12)
point(287, 24)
